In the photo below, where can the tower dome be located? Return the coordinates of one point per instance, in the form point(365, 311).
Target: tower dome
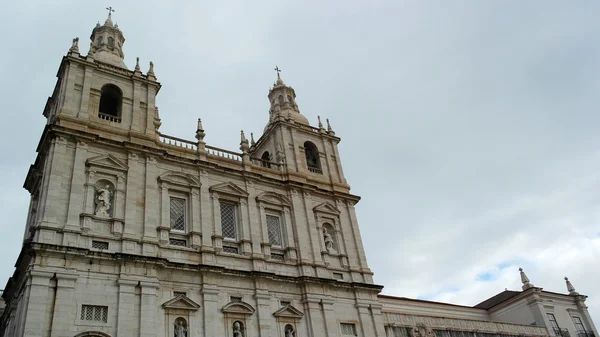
point(107, 43)
point(283, 103)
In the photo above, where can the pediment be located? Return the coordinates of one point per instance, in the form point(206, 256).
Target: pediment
point(230, 189)
point(181, 302)
point(107, 161)
point(179, 178)
point(274, 199)
point(326, 207)
point(288, 312)
point(238, 308)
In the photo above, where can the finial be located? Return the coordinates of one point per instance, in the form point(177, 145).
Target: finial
point(329, 129)
point(570, 287)
point(243, 142)
point(200, 131)
point(525, 280)
point(320, 124)
point(75, 46)
point(252, 142)
point(151, 70)
point(98, 24)
point(279, 81)
point(108, 21)
point(137, 64)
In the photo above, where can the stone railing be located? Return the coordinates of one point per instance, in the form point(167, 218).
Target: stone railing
point(265, 164)
point(174, 141)
point(221, 153)
point(315, 170)
point(109, 118)
point(444, 323)
point(309, 128)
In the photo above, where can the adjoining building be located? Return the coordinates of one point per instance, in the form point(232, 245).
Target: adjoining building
point(132, 232)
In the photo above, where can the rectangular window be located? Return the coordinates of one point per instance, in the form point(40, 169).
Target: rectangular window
point(274, 230)
point(177, 214)
point(96, 313)
point(285, 303)
point(99, 244)
point(578, 324)
point(228, 221)
point(177, 242)
point(348, 329)
point(553, 321)
point(231, 250)
point(278, 257)
point(177, 293)
point(236, 299)
point(338, 276)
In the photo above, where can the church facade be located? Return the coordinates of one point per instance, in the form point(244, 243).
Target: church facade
point(132, 232)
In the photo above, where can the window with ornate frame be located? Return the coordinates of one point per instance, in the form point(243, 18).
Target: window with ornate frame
point(229, 210)
point(275, 215)
point(179, 195)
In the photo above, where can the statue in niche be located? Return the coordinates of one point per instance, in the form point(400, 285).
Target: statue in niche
point(237, 330)
point(103, 195)
point(289, 331)
point(328, 241)
point(180, 330)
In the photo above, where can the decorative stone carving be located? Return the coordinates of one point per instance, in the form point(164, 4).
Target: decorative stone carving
point(289, 331)
point(422, 330)
point(103, 201)
point(328, 241)
point(180, 329)
point(237, 329)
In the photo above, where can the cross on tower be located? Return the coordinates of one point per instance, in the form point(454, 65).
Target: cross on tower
point(277, 70)
point(110, 9)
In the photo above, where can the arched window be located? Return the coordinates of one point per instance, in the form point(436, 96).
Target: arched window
point(290, 99)
point(312, 157)
point(280, 98)
point(180, 328)
point(99, 41)
point(238, 329)
point(110, 101)
point(111, 42)
point(266, 159)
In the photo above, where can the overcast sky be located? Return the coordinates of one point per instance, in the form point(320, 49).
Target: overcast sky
point(469, 128)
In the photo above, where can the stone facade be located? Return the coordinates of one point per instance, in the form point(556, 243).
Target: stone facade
point(132, 232)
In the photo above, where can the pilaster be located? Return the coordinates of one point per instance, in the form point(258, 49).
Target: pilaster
point(76, 195)
point(210, 301)
point(64, 309)
point(149, 309)
point(126, 326)
point(36, 299)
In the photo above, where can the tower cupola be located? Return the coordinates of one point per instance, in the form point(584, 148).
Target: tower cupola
point(283, 103)
point(107, 43)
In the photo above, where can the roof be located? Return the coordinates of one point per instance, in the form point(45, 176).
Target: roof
point(497, 299)
point(422, 301)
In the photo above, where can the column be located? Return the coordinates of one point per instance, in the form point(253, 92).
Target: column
point(314, 317)
point(211, 312)
point(76, 196)
point(151, 215)
point(64, 305)
point(378, 320)
point(36, 298)
point(85, 96)
point(217, 233)
point(195, 229)
point(135, 107)
point(148, 309)
point(246, 238)
point(330, 319)
point(126, 323)
point(132, 188)
point(264, 313)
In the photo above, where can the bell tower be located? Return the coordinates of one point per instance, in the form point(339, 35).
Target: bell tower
point(98, 92)
point(308, 154)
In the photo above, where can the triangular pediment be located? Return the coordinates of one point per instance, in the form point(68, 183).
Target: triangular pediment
point(181, 302)
point(230, 189)
point(288, 312)
point(274, 199)
point(179, 178)
point(107, 161)
point(238, 308)
point(326, 207)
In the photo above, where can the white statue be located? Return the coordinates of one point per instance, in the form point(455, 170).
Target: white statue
point(75, 46)
point(103, 201)
point(328, 241)
point(237, 330)
point(180, 330)
point(289, 331)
